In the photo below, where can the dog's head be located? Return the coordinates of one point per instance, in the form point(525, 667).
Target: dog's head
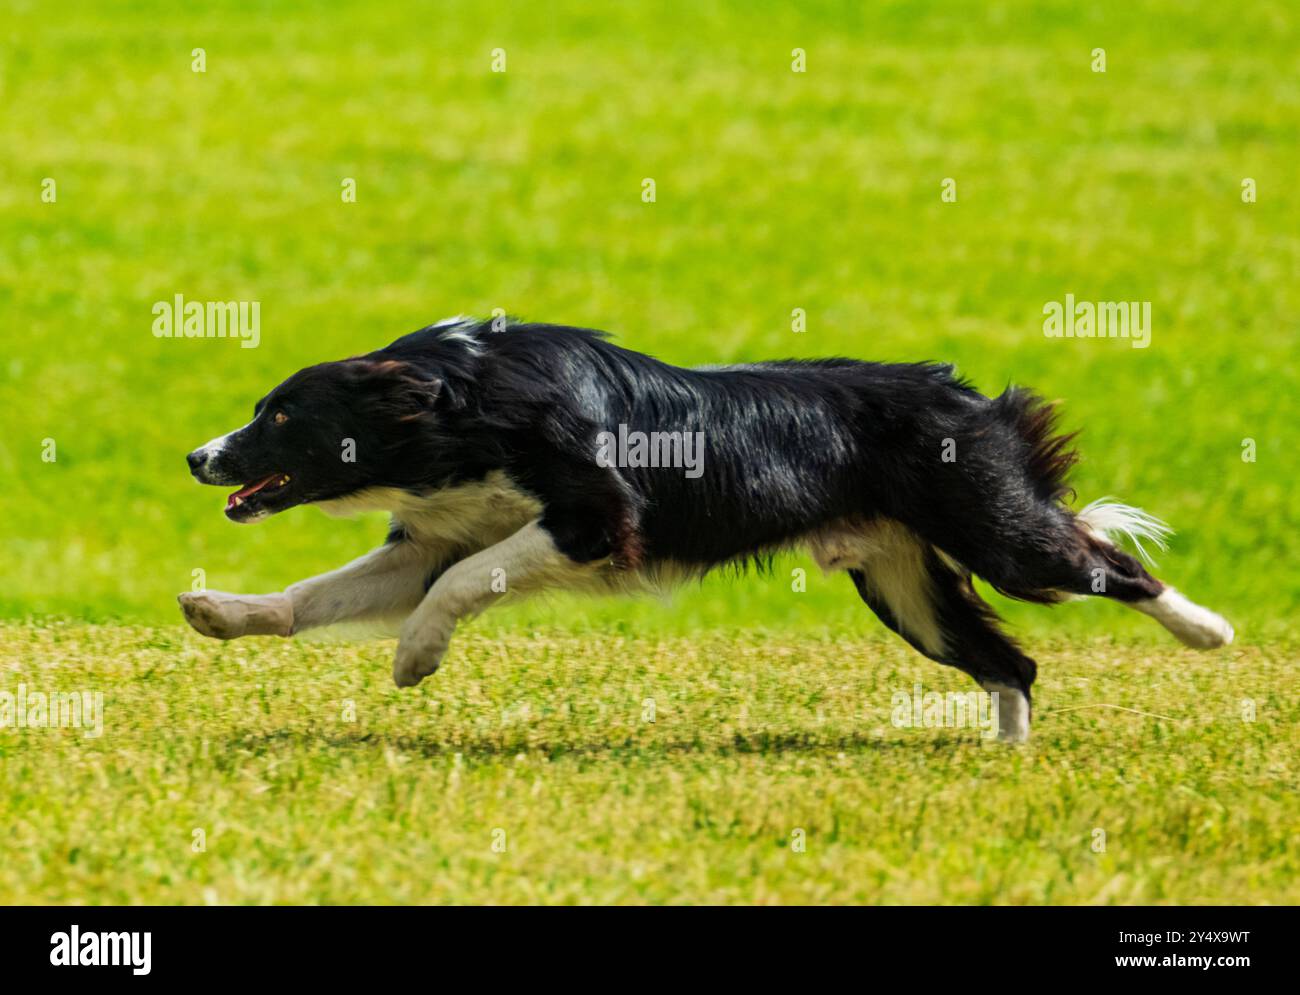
point(327, 432)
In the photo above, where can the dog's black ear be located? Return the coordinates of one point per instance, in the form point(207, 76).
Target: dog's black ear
point(400, 388)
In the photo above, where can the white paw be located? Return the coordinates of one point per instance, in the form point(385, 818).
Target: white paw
point(1012, 711)
point(229, 616)
point(211, 615)
point(1209, 635)
point(1194, 625)
point(418, 656)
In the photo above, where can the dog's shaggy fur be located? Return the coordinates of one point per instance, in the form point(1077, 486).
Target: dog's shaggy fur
point(539, 456)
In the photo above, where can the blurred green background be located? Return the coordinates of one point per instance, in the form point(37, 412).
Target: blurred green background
point(521, 190)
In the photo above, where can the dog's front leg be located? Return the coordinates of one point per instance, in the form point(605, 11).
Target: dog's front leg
point(385, 583)
point(525, 562)
point(229, 616)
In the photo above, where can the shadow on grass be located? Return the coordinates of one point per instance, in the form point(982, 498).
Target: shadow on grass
point(489, 748)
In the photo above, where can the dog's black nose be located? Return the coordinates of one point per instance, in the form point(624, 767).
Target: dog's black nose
point(196, 459)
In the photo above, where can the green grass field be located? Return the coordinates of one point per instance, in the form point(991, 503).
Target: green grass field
point(313, 779)
point(522, 190)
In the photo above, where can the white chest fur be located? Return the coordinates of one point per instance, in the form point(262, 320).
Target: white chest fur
point(472, 516)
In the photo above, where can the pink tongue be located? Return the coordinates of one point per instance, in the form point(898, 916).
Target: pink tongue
point(250, 489)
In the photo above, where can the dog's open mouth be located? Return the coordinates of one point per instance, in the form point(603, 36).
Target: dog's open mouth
point(249, 501)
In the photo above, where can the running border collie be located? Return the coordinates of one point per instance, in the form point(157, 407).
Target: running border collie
point(490, 449)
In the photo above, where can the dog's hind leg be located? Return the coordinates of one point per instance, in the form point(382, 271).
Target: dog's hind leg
point(1045, 552)
point(1101, 568)
point(932, 604)
point(999, 510)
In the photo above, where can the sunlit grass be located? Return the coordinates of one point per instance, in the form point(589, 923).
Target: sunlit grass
point(639, 770)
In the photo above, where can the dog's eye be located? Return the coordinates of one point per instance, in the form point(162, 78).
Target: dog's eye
point(280, 418)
